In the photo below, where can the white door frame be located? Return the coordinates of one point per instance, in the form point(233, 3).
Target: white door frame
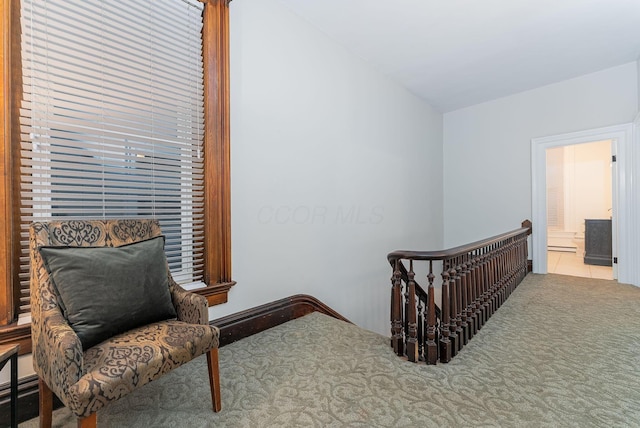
point(624, 204)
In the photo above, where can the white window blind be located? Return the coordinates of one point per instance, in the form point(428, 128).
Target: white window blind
point(112, 119)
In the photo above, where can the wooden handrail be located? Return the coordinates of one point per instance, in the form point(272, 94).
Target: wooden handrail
point(476, 279)
point(456, 251)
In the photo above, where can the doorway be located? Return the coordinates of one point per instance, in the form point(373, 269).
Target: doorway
point(623, 197)
point(579, 189)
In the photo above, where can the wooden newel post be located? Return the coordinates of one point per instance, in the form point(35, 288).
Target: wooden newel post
point(412, 339)
point(396, 311)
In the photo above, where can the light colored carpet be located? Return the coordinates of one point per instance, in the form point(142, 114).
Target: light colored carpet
point(561, 351)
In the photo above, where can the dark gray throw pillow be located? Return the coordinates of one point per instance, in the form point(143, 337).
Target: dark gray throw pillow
point(104, 291)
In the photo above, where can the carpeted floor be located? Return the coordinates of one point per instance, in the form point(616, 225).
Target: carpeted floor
point(561, 352)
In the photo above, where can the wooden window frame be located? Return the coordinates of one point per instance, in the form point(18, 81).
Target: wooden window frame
point(217, 211)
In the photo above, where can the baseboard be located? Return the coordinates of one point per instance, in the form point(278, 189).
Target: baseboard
point(232, 328)
point(562, 249)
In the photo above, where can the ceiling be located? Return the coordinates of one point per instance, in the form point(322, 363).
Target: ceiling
point(457, 53)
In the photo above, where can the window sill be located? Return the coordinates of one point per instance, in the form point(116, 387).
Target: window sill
point(216, 294)
point(20, 334)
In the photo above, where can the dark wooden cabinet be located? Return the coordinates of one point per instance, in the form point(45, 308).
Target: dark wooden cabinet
point(597, 242)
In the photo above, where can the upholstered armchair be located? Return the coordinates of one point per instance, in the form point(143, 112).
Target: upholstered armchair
point(88, 371)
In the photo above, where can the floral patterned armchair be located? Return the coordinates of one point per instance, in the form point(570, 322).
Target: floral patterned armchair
point(87, 380)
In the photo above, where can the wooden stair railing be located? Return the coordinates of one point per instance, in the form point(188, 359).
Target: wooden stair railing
point(476, 279)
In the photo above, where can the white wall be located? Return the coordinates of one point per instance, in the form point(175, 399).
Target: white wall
point(487, 147)
point(333, 166)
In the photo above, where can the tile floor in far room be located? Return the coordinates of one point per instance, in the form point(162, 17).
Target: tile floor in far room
point(565, 263)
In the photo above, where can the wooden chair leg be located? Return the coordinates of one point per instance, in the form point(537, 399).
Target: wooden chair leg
point(88, 422)
point(45, 403)
point(214, 379)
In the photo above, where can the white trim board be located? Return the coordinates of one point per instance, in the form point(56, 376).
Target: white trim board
point(625, 203)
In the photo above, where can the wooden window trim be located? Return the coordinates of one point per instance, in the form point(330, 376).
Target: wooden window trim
point(217, 154)
point(7, 300)
point(217, 262)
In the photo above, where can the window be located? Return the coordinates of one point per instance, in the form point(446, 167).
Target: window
point(120, 110)
point(112, 120)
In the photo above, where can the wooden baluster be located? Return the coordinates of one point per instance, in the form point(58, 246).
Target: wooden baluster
point(462, 300)
point(445, 341)
point(473, 278)
point(484, 278)
point(487, 282)
point(486, 285)
point(519, 260)
point(522, 256)
point(504, 273)
point(512, 271)
point(432, 346)
point(411, 317)
point(405, 318)
point(525, 257)
point(495, 277)
point(466, 284)
point(519, 254)
point(512, 266)
point(515, 263)
point(456, 320)
point(466, 272)
point(501, 273)
point(396, 311)
point(421, 320)
point(478, 288)
point(528, 225)
point(507, 270)
point(504, 292)
point(453, 310)
point(499, 278)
